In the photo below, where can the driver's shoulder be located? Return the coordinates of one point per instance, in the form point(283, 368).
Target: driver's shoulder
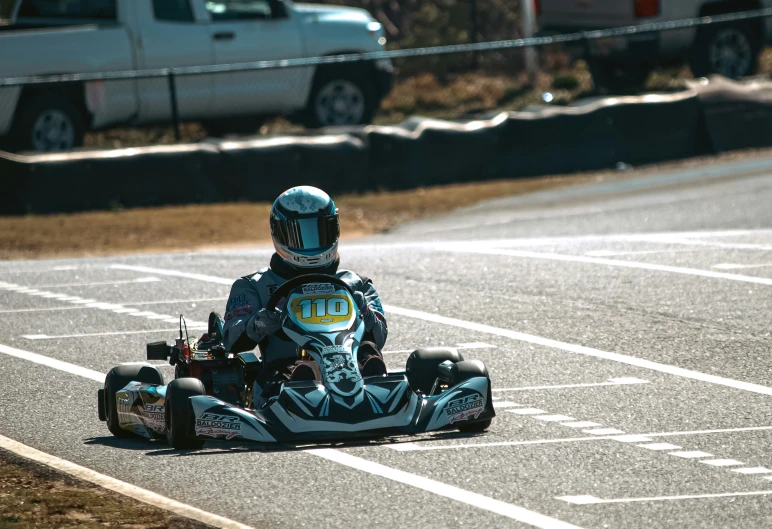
point(352, 278)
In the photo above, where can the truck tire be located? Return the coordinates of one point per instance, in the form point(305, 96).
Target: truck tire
point(116, 380)
point(340, 96)
point(731, 50)
point(422, 364)
point(49, 122)
point(464, 371)
point(179, 412)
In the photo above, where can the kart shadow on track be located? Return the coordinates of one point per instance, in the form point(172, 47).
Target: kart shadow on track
point(224, 447)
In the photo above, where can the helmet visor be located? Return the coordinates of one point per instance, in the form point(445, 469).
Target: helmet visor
point(306, 234)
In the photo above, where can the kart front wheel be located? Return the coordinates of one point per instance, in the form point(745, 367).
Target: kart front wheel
point(117, 379)
point(179, 412)
point(461, 372)
point(422, 365)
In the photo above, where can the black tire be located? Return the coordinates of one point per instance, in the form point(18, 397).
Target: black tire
point(464, 371)
point(116, 380)
point(351, 82)
point(422, 366)
point(48, 106)
point(179, 412)
point(740, 36)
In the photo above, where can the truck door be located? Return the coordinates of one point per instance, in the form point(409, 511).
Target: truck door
point(171, 36)
point(256, 30)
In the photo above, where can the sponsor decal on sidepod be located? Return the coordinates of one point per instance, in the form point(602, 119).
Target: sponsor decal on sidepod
point(468, 407)
point(213, 425)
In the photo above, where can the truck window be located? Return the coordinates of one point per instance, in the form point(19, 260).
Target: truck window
point(68, 9)
point(173, 10)
point(238, 9)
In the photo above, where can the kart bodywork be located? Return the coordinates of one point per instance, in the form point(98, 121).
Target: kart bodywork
point(321, 317)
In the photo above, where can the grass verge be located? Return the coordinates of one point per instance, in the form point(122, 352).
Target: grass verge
point(35, 496)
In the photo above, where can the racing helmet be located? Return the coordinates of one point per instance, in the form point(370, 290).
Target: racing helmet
point(305, 227)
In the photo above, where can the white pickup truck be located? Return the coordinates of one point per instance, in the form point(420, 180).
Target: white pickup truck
point(39, 37)
point(730, 49)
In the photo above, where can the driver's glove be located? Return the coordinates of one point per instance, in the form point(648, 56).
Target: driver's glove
point(364, 310)
point(266, 323)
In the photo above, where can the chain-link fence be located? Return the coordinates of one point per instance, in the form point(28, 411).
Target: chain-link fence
point(447, 59)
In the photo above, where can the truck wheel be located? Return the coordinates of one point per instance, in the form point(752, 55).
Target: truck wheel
point(464, 371)
point(729, 50)
point(179, 412)
point(340, 96)
point(422, 366)
point(49, 122)
point(116, 380)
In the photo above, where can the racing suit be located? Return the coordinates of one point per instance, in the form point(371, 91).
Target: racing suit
point(249, 294)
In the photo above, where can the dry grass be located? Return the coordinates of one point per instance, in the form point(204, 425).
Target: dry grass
point(214, 225)
point(33, 496)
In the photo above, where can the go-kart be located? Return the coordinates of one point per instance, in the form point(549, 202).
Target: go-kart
point(215, 394)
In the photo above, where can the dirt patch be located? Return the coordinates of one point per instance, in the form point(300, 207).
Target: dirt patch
point(212, 226)
point(33, 495)
point(226, 225)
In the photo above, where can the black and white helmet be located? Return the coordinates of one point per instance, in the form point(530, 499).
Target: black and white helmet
point(305, 227)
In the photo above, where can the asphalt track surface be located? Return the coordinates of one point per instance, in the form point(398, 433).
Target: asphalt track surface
point(626, 330)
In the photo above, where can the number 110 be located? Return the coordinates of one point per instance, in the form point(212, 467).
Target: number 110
point(322, 307)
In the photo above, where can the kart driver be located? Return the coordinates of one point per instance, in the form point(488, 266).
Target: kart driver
point(305, 231)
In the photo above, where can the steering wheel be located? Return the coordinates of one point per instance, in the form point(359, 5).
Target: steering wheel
point(306, 279)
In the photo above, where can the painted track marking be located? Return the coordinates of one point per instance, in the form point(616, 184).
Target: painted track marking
point(425, 446)
point(121, 487)
point(112, 333)
point(515, 335)
point(609, 262)
point(592, 500)
point(612, 382)
point(508, 510)
point(441, 489)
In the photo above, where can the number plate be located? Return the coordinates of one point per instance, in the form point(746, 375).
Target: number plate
point(328, 309)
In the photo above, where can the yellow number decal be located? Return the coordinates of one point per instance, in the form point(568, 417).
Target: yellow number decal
point(321, 310)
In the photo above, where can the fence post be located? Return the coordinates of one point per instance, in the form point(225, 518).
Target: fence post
point(531, 57)
point(173, 99)
point(474, 31)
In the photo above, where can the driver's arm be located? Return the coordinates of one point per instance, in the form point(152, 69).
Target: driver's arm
point(375, 320)
point(245, 320)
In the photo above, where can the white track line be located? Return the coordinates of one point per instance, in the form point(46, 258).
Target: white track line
point(435, 487)
point(612, 382)
point(49, 309)
point(121, 487)
point(609, 262)
point(103, 283)
point(174, 273)
point(116, 333)
point(579, 349)
point(461, 346)
point(425, 446)
point(515, 335)
point(51, 362)
point(513, 512)
point(592, 500)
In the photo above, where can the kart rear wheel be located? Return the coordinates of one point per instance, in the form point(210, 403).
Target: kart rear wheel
point(422, 366)
point(116, 380)
point(461, 372)
point(179, 412)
